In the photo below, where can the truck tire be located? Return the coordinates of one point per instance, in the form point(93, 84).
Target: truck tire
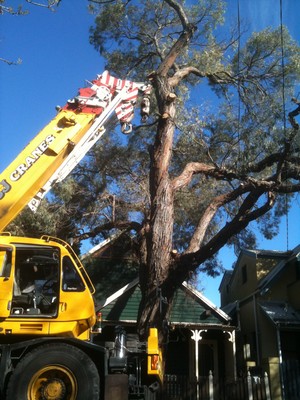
point(55, 371)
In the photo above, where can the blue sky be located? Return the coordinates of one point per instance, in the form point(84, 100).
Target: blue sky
point(56, 60)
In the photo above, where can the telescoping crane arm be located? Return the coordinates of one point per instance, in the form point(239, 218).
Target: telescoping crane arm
point(60, 146)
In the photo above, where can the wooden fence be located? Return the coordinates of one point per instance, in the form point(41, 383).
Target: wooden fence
point(178, 387)
point(291, 379)
point(208, 388)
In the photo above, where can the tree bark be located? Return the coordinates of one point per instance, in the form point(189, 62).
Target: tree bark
point(159, 239)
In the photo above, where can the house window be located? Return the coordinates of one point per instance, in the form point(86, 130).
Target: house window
point(244, 273)
point(247, 353)
point(249, 346)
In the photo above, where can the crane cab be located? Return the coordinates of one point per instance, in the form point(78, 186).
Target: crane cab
point(45, 289)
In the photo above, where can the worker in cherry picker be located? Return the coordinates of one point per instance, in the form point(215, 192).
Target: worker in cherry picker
point(294, 113)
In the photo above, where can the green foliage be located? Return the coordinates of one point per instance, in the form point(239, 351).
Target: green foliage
point(135, 36)
point(51, 219)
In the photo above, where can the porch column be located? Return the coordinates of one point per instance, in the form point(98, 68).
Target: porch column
point(232, 340)
point(196, 336)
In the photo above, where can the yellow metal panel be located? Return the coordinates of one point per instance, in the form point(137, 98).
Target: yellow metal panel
point(74, 329)
point(6, 284)
point(154, 364)
point(153, 341)
point(22, 179)
point(74, 306)
point(24, 327)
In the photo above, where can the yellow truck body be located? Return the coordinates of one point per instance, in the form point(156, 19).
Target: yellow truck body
point(55, 308)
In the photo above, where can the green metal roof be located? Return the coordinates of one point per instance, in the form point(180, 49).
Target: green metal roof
point(189, 306)
point(124, 307)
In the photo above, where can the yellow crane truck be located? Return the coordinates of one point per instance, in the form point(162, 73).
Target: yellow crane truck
point(48, 321)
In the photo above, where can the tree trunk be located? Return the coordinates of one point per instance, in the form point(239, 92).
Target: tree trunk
point(154, 304)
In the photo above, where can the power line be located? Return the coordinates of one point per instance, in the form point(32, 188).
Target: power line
point(284, 112)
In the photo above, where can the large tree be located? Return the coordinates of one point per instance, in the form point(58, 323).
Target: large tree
point(197, 176)
point(212, 171)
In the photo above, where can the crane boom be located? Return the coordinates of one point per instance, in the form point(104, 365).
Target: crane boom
point(51, 338)
point(60, 146)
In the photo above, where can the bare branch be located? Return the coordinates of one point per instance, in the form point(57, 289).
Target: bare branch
point(180, 12)
point(186, 176)
point(180, 43)
point(50, 4)
point(18, 62)
point(10, 10)
point(236, 225)
point(196, 168)
point(124, 225)
point(208, 215)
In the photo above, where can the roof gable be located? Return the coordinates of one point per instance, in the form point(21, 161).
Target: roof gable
point(189, 307)
point(246, 255)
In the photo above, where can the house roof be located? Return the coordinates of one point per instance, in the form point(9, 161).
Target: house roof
point(274, 274)
point(206, 301)
point(189, 308)
point(230, 308)
point(226, 278)
point(281, 314)
point(282, 256)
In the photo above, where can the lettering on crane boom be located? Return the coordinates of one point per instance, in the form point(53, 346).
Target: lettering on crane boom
point(32, 158)
point(5, 188)
point(24, 167)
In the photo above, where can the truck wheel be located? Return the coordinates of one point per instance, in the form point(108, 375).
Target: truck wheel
point(55, 371)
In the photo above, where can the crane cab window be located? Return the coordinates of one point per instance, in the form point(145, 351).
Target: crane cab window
point(5, 262)
point(36, 282)
point(71, 280)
